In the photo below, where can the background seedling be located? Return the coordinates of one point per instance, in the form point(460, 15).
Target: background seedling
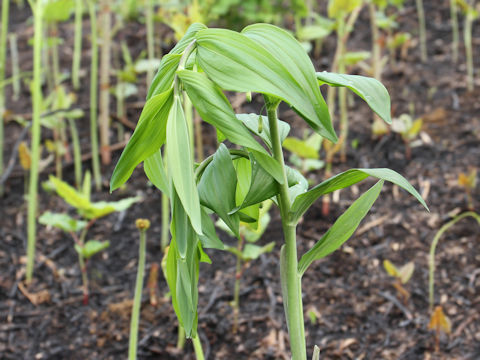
point(439, 322)
point(471, 14)
point(142, 225)
point(262, 59)
point(402, 275)
point(469, 183)
point(89, 212)
point(409, 130)
point(3, 55)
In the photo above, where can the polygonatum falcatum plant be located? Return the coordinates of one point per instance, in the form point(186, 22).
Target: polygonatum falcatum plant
point(260, 59)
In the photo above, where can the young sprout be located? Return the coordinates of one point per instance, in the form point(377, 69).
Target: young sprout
point(142, 225)
point(409, 130)
point(469, 183)
point(89, 213)
point(440, 323)
point(402, 275)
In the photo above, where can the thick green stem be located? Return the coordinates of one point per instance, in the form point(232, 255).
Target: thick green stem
point(77, 46)
point(3, 55)
point(181, 337)
point(132, 348)
point(150, 39)
point(455, 36)
point(197, 346)
point(35, 153)
point(431, 259)
point(93, 96)
point(422, 31)
point(467, 38)
point(165, 222)
point(292, 280)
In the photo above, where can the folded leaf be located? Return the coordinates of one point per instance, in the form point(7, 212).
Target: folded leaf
point(251, 121)
point(237, 63)
point(180, 164)
point(303, 201)
point(369, 89)
point(148, 137)
point(342, 229)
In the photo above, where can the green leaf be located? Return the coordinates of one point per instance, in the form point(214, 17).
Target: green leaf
point(62, 221)
point(243, 168)
point(165, 75)
point(155, 171)
point(58, 10)
point(237, 63)
point(148, 137)
point(102, 208)
point(68, 193)
point(214, 108)
point(209, 238)
point(251, 121)
point(342, 229)
point(300, 148)
point(369, 89)
point(181, 227)
point(87, 185)
point(289, 52)
point(341, 8)
point(180, 164)
point(345, 179)
point(217, 188)
point(91, 247)
point(252, 234)
point(253, 252)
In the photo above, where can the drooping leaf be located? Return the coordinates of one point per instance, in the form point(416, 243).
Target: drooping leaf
point(155, 171)
point(217, 188)
point(180, 164)
point(237, 63)
point(91, 247)
point(251, 122)
point(61, 221)
point(369, 89)
point(303, 201)
point(342, 229)
point(148, 137)
point(289, 52)
point(163, 79)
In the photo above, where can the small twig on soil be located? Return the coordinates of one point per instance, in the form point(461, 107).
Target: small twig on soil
point(397, 303)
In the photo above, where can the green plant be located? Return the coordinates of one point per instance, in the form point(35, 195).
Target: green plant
point(305, 153)
point(471, 14)
point(37, 9)
point(249, 231)
point(433, 247)
point(440, 323)
point(469, 183)
point(89, 212)
point(142, 225)
point(402, 275)
point(422, 30)
point(3, 55)
point(409, 130)
point(77, 45)
point(267, 60)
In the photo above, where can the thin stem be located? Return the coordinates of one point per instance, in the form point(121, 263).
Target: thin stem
point(35, 153)
point(197, 346)
point(3, 55)
point(422, 31)
point(467, 38)
point(236, 288)
point(77, 153)
point(104, 115)
point(54, 53)
point(15, 66)
point(150, 39)
point(132, 348)
point(455, 36)
point(431, 259)
point(77, 46)
point(93, 96)
point(294, 310)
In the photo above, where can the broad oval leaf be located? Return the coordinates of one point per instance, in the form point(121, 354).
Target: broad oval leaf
point(148, 137)
point(91, 247)
point(180, 164)
point(304, 201)
point(342, 229)
point(369, 89)
point(237, 63)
